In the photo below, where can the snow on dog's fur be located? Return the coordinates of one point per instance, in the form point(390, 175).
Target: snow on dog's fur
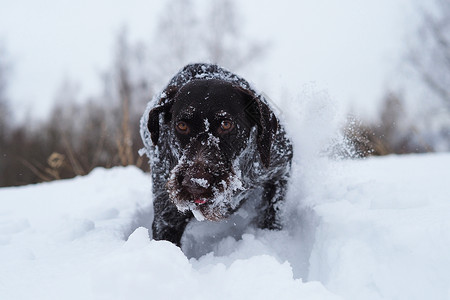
point(213, 141)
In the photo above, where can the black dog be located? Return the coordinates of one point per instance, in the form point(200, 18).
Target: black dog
point(213, 142)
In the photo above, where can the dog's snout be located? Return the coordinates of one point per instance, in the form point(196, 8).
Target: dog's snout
point(198, 181)
point(194, 187)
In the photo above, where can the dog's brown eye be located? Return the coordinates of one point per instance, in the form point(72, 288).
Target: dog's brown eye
point(226, 125)
point(182, 127)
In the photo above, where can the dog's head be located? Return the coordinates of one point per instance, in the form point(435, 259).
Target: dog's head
point(211, 121)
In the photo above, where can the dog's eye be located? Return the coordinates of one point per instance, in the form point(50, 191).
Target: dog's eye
point(182, 127)
point(226, 126)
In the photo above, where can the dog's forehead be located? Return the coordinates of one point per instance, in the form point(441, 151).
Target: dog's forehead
point(212, 98)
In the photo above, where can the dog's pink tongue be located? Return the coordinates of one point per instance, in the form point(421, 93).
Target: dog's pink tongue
point(200, 201)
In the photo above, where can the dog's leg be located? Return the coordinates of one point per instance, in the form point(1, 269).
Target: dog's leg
point(272, 198)
point(169, 223)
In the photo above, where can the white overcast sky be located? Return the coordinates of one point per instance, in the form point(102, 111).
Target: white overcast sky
point(350, 48)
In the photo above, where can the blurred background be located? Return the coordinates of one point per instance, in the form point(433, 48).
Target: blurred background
point(75, 76)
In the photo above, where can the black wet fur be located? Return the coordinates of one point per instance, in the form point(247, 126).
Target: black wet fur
point(206, 157)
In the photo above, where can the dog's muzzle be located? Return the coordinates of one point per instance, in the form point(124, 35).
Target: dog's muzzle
point(204, 180)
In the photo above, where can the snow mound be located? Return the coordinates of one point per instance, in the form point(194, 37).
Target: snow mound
point(143, 269)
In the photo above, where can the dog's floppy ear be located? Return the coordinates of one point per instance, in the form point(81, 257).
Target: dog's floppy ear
point(164, 106)
point(267, 125)
point(260, 114)
point(153, 123)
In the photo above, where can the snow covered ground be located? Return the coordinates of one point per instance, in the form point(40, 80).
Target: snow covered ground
point(364, 229)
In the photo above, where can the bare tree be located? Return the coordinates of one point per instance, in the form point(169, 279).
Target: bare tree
point(190, 31)
point(430, 56)
point(174, 42)
point(125, 93)
point(392, 133)
point(4, 114)
point(128, 88)
point(224, 41)
point(4, 107)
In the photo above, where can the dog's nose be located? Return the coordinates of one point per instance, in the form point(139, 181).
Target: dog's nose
point(197, 185)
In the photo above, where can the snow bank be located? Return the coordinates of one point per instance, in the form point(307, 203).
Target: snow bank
point(384, 232)
point(70, 240)
point(67, 240)
point(144, 269)
point(53, 234)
